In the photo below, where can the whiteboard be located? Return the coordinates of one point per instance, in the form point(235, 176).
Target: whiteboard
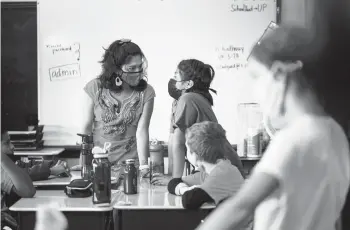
point(71, 35)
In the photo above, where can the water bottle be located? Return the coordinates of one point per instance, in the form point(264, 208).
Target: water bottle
point(254, 143)
point(130, 177)
point(156, 158)
point(102, 177)
point(86, 156)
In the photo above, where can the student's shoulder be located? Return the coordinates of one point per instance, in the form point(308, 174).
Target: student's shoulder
point(225, 169)
point(311, 128)
point(310, 133)
point(187, 98)
point(93, 83)
point(149, 89)
point(303, 129)
point(149, 93)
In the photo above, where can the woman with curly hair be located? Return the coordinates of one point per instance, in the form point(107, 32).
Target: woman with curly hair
point(119, 104)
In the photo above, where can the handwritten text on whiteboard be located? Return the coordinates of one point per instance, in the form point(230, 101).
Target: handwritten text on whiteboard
point(64, 72)
point(249, 5)
point(230, 57)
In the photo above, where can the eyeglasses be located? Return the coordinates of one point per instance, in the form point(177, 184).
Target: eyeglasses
point(132, 69)
point(272, 26)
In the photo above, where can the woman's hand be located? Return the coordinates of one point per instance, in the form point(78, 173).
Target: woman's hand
point(162, 180)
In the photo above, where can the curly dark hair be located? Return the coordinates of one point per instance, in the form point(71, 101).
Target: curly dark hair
point(201, 74)
point(114, 57)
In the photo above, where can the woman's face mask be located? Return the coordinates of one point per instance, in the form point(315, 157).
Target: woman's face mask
point(132, 79)
point(132, 71)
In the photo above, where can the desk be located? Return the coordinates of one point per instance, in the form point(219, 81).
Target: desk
point(45, 153)
point(80, 212)
point(154, 208)
point(42, 152)
point(57, 181)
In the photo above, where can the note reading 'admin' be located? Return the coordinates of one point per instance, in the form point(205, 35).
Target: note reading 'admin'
point(64, 72)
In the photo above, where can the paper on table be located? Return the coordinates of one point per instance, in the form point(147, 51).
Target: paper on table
point(21, 132)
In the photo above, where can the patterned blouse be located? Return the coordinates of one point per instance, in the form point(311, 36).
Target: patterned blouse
point(116, 120)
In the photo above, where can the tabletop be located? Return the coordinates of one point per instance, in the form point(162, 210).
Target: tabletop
point(150, 197)
point(42, 152)
point(54, 181)
point(65, 203)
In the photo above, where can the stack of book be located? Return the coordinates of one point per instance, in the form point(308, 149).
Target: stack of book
point(27, 140)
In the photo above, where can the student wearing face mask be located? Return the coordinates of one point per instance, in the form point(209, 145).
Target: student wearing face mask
point(190, 87)
point(175, 94)
point(303, 178)
point(118, 105)
point(171, 134)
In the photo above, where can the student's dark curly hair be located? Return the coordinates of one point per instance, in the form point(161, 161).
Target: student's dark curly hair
point(324, 51)
point(201, 74)
point(114, 57)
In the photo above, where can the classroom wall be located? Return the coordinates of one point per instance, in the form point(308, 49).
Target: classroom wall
point(292, 10)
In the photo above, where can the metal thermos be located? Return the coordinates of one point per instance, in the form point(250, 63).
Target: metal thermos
point(86, 156)
point(130, 177)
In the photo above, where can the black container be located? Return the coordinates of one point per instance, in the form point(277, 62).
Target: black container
point(130, 177)
point(86, 156)
point(101, 180)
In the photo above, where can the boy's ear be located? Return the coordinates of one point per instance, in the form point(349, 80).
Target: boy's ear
point(281, 69)
point(190, 84)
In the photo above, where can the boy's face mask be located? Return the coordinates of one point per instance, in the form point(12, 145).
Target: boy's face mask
point(273, 103)
point(173, 91)
point(272, 89)
point(269, 92)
